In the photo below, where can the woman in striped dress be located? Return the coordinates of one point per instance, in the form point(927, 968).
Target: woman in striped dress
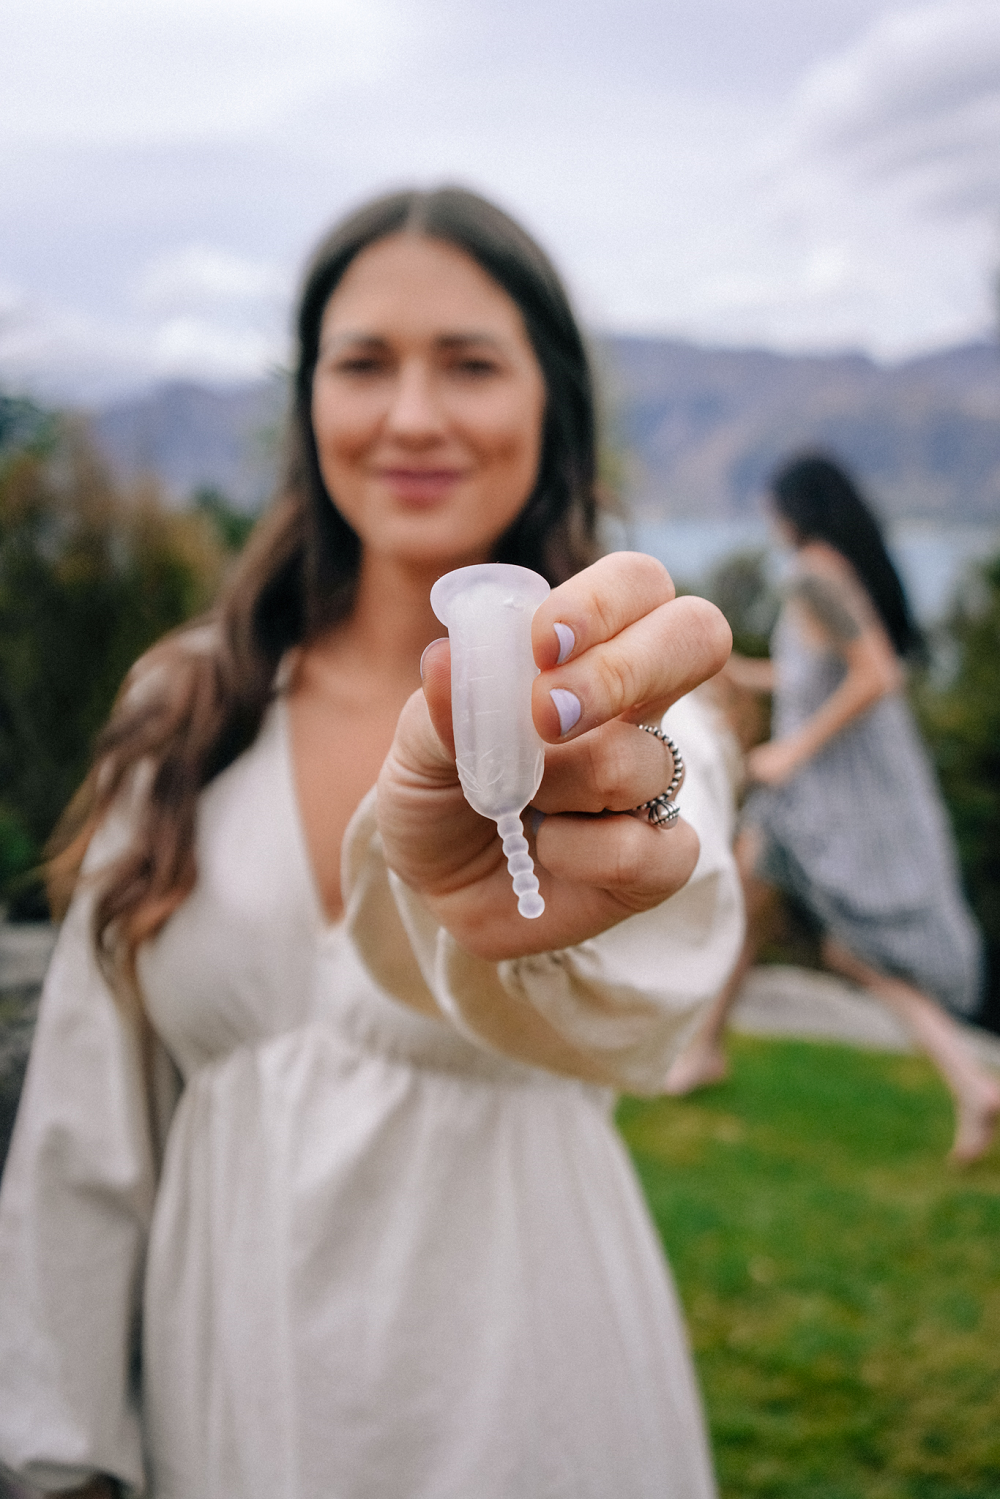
point(844, 815)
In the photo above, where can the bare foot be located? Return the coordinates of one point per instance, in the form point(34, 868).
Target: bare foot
point(698, 1067)
point(976, 1120)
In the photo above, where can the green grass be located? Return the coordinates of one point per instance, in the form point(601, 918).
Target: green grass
point(841, 1283)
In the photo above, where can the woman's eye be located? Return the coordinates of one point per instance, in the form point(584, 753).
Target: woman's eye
point(361, 365)
point(474, 368)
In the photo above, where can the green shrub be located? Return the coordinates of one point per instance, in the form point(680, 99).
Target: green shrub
point(90, 576)
point(960, 717)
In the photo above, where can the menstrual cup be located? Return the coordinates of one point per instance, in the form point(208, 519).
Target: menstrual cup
point(499, 754)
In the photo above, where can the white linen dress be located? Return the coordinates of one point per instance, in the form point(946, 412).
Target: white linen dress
point(393, 1247)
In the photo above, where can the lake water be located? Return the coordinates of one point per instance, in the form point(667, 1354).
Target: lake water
point(932, 559)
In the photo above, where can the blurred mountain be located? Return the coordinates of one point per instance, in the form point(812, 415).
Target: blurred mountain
point(695, 431)
point(702, 429)
point(195, 437)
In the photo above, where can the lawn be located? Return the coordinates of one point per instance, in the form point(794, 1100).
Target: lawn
point(841, 1283)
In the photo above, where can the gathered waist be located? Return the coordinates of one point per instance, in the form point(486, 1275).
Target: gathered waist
point(374, 1023)
point(347, 999)
point(365, 1023)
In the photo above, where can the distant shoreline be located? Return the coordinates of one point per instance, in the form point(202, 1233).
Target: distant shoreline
point(932, 556)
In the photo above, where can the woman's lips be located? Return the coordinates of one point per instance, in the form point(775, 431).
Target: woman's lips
point(420, 484)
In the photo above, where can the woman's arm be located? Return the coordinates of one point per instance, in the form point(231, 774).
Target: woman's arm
point(637, 649)
point(873, 672)
point(750, 673)
point(611, 1010)
point(77, 1198)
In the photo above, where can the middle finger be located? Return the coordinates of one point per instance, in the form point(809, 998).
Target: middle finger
point(613, 769)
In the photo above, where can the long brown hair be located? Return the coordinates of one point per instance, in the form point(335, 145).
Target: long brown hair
point(823, 503)
point(196, 700)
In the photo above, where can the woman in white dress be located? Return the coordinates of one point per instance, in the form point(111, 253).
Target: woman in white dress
point(314, 1192)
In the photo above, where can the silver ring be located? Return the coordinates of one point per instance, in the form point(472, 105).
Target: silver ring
point(663, 810)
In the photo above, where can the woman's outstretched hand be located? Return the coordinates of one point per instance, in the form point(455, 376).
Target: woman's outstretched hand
point(773, 763)
point(636, 649)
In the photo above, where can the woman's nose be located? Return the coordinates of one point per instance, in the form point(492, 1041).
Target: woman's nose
point(415, 412)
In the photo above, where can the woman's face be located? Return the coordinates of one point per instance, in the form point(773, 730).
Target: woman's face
point(427, 403)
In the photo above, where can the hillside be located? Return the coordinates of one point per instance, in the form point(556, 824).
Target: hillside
point(191, 436)
point(698, 430)
point(703, 428)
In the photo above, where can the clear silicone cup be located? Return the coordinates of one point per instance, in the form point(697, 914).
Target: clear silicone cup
point(500, 757)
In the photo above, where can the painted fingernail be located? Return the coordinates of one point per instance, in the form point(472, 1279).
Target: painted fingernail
point(567, 706)
point(567, 640)
point(424, 653)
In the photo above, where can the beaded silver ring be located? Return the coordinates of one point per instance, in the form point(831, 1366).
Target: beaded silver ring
point(663, 810)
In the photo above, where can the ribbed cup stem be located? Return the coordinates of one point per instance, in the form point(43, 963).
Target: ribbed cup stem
point(522, 870)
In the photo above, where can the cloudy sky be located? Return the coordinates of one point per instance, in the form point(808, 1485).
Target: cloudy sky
point(778, 172)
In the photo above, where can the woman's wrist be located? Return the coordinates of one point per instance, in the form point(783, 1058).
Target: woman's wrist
point(750, 673)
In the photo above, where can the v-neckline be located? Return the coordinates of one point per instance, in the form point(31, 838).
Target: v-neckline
point(326, 925)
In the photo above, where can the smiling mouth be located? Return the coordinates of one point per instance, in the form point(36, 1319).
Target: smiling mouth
point(420, 484)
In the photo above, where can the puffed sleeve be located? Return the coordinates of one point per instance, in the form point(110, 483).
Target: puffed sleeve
point(615, 1009)
point(75, 1206)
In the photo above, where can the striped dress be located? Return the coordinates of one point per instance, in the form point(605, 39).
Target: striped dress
point(859, 835)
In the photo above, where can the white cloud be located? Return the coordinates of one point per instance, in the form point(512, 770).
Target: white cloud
point(117, 71)
point(874, 206)
point(166, 164)
point(62, 353)
point(197, 348)
point(11, 307)
point(200, 276)
point(917, 102)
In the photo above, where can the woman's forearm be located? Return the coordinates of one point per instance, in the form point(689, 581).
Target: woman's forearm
point(872, 673)
point(751, 673)
point(862, 687)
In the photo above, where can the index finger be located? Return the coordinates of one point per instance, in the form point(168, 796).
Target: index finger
point(596, 605)
point(646, 667)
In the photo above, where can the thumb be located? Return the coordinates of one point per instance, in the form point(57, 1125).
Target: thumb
point(435, 675)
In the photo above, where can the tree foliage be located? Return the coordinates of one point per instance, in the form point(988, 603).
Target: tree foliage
point(233, 526)
point(741, 587)
point(961, 719)
point(90, 576)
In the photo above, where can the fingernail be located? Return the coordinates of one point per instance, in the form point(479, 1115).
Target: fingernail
point(426, 649)
point(536, 819)
point(567, 640)
point(567, 706)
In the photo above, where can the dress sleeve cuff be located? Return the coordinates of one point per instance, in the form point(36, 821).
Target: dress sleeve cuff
point(614, 1010)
